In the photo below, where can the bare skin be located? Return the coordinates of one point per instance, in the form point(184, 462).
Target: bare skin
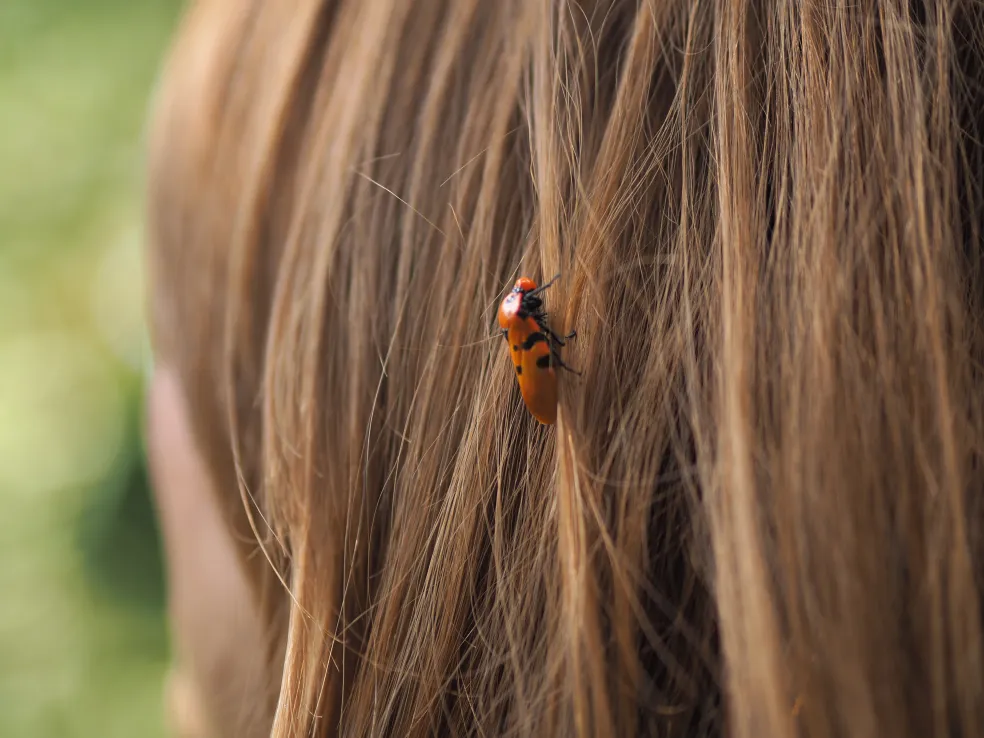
point(214, 626)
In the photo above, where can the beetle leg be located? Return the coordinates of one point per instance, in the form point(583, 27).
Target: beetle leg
point(560, 362)
point(558, 339)
point(557, 361)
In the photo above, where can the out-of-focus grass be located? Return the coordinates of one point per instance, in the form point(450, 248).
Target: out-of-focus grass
point(82, 637)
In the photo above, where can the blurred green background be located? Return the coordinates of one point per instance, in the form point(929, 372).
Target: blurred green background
point(83, 642)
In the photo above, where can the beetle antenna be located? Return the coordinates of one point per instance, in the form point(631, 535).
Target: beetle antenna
point(542, 287)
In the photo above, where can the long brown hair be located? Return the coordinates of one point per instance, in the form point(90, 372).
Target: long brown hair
point(759, 512)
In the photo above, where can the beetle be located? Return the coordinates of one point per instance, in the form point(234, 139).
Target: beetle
point(534, 347)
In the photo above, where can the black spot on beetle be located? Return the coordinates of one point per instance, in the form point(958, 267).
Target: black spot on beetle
point(544, 361)
point(519, 369)
point(515, 347)
point(532, 340)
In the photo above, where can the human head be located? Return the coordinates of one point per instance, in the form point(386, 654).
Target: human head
point(767, 219)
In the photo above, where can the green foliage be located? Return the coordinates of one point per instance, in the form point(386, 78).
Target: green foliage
point(83, 643)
